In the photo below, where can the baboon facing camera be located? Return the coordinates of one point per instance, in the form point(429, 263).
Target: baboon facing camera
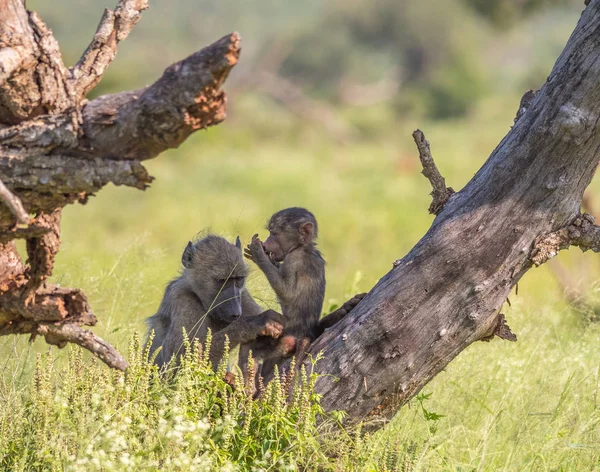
point(295, 269)
point(210, 294)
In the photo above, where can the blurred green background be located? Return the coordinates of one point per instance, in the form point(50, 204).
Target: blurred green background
point(321, 110)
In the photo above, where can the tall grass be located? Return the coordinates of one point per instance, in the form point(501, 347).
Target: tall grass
point(530, 405)
point(82, 416)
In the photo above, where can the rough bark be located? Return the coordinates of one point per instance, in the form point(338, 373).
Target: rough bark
point(57, 148)
point(440, 193)
point(519, 209)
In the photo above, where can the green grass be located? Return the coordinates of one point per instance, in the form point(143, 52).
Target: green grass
point(533, 405)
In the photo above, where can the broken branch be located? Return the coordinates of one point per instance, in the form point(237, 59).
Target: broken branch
point(60, 335)
point(502, 330)
point(141, 124)
point(440, 192)
point(46, 182)
point(526, 101)
point(582, 232)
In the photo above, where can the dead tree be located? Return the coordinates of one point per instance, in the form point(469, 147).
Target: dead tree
point(56, 148)
point(519, 210)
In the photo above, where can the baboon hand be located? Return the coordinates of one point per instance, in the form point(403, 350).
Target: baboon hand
point(270, 324)
point(230, 379)
point(248, 254)
point(255, 249)
point(272, 329)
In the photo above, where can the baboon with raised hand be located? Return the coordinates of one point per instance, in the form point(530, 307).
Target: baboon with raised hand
point(210, 294)
point(295, 270)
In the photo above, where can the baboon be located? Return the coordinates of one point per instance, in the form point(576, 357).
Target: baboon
point(210, 294)
point(296, 270)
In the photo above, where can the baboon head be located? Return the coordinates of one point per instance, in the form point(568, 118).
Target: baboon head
point(216, 272)
point(289, 229)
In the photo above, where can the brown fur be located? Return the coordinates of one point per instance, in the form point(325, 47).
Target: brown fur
point(296, 271)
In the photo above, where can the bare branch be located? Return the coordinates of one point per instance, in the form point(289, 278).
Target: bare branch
point(143, 123)
point(114, 27)
point(138, 124)
point(33, 75)
point(582, 232)
point(57, 315)
point(54, 86)
point(16, 44)
point(31, 231)
point(60, 335)
point(14, 204)
point(42, 133)
point(585, 234)
point(440, 192)
point(11, 265)
point(46, 182)
point(118, 130)
point(53, 303)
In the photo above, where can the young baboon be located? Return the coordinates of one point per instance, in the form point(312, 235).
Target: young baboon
point(210, 294)
point(296, 271)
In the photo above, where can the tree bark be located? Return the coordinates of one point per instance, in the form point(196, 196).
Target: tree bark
point(57, 148)
point(520, 209)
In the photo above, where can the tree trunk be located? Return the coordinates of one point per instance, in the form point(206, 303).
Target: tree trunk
point(520, 209)
point(57, 148)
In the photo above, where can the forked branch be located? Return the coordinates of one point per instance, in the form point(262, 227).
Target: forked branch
point(114, 27)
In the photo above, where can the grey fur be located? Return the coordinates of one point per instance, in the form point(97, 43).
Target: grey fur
point(210, 294)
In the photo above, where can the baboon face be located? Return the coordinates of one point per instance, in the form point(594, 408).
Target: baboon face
point(288, 229)
point(217, 273)
point(277, 245)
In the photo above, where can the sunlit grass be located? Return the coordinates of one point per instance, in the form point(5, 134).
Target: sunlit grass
point(533, 405)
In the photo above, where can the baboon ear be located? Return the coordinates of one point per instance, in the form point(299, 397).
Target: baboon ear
point(238, 243)
point(188, 255)
point(307, 232)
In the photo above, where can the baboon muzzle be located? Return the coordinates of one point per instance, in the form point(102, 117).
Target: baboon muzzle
point(228, 305)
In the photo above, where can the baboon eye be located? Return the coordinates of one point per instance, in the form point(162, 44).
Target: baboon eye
point(230, 279)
